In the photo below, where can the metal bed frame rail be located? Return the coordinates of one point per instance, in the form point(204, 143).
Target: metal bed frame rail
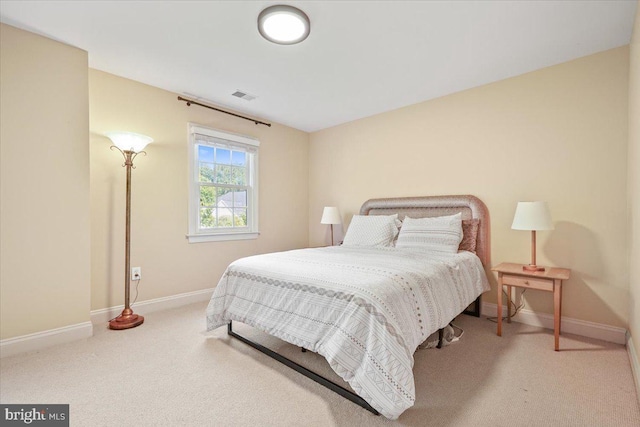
point(319, 378)
point(304, 371)
point(309, 373)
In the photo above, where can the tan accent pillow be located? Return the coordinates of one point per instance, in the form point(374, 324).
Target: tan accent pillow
point(469, 235)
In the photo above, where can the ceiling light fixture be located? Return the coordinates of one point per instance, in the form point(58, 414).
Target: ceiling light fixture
point(284, 24)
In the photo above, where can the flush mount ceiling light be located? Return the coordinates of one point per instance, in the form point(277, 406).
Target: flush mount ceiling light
point(284, 24)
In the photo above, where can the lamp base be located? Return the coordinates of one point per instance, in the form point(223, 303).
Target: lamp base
point(126, 320)
point(532, 267)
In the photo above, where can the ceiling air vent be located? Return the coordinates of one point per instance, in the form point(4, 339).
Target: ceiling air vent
point(243, 95)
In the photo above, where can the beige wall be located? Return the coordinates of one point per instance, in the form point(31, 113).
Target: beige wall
point(44, 254)
point(634, 184)
point(558, 134)
point(170, 265)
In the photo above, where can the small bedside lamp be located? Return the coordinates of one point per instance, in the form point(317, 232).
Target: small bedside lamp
point(331, 215)
point(532, 216)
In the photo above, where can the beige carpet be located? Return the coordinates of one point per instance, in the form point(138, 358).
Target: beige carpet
point(167, 373)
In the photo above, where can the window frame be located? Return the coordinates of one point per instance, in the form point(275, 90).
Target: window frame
point(244, 143)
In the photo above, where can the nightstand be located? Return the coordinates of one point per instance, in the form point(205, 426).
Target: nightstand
point(549, 280)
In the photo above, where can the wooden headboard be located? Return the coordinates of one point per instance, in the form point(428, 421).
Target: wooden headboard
point(429, 206)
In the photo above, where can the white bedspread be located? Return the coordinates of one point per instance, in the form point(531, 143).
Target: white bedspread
point(365, 310)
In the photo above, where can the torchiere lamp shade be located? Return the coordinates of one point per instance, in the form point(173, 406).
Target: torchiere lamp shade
point(129, 141)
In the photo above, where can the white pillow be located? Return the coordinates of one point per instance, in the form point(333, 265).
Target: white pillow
point(372, 230)
point(442, 233)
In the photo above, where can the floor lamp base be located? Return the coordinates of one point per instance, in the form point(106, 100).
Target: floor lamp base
point(126, 320)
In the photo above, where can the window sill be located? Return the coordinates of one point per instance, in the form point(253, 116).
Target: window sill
point(220, 237)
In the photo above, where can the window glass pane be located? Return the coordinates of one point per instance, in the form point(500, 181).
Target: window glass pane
point(207, 196)
point(223, 174)
point(238, 175)
point(207, 172)
point(225, 198)
point(207, 219)
point(223, 156)
point(205, 153)
point(240, 217)
point(238, 158)
point(224, 217)
point(240, 199)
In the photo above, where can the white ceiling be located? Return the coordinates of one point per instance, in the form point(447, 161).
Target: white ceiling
point(361, 58)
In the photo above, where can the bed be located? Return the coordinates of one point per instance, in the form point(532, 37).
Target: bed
point(364, 309)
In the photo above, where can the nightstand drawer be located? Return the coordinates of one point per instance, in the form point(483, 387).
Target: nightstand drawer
point(527, 282)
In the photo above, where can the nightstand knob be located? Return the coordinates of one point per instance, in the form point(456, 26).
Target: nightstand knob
point(526, 282)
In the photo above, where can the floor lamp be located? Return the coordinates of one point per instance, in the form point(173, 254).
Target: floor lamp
point(130, 145)
point(532, 216)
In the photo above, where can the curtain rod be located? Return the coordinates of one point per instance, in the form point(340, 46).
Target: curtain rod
point(189, 102)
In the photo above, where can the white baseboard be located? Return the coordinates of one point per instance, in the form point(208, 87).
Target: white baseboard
point(635, 363)
point(569, 325)
point(44, 339)
point(143, 307)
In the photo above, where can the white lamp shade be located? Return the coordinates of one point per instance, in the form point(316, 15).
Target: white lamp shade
point(331, 215)
point(532, 216)
point(129, 141)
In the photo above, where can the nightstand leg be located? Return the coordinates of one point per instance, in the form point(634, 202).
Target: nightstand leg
point(499, 304)
point(560, 311)
point(557, 301)
point(509, 304)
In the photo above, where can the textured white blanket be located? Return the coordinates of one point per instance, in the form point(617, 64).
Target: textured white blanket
point(365, 310)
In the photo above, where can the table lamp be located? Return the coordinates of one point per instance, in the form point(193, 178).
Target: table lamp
point(532, 216)
point(331, 215)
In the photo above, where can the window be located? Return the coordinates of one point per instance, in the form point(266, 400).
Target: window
point(223, 181)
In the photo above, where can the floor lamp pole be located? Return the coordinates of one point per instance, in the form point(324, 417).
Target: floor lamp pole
point(127, 319)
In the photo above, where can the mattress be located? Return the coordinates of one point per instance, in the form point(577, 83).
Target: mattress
point(365, 310)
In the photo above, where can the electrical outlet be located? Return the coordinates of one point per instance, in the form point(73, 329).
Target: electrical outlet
point(136, 273)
